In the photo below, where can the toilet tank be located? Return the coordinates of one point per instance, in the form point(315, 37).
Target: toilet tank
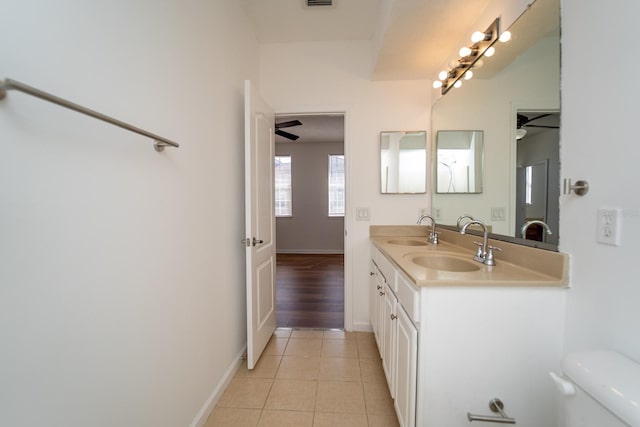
point(599, 389)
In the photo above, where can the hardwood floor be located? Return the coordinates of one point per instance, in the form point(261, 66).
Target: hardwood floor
point(310, 290)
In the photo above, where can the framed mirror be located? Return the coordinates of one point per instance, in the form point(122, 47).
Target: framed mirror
point(459, 161)
point(403, 162)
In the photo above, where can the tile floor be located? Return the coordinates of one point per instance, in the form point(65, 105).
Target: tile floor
point(310, 378)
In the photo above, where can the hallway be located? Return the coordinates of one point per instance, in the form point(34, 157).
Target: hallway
point(310, 290)
point(310, 378)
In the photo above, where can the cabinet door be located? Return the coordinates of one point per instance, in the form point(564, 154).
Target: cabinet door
point(406, 369)
point(388, 322)
point(374, 298)
point(379, 306)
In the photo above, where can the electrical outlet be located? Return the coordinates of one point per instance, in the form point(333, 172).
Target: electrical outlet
point(423, 211)
point(437, 212)
point(608, 226)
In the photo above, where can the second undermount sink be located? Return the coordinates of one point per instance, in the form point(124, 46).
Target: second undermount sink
point(407, 242)
point(443, 262)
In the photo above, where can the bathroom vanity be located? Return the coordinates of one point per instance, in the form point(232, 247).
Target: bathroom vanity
point(454, 334)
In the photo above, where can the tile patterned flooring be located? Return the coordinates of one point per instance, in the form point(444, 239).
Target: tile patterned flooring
point(310, 378)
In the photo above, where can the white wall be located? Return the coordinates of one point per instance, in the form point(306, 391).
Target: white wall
point(302, 77)
point(598, 144)
point(310, 229)
point(121, 272)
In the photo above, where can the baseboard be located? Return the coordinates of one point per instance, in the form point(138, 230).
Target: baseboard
point(311, 251)
point(362, 327)
point(207, 408)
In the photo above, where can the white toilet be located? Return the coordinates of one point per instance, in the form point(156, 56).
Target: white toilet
point(599, 389)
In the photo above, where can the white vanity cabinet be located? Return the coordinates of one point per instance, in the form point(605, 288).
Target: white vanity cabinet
point(449, 350)
point(396, 335)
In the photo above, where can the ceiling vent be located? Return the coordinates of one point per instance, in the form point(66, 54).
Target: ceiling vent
point(312, 3)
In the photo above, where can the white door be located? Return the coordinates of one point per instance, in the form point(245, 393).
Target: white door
point(260, 223)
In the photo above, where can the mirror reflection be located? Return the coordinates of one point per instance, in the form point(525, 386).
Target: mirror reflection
point(521, 79)
point(459, 161)
point(403, 162)
point(538, 176)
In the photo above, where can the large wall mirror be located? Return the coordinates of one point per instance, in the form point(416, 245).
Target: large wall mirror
point(403, 162)
point(514, 98)
point(459, 161)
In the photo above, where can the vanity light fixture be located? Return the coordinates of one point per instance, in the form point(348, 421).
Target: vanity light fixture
point(470, 55)
point(505, 37)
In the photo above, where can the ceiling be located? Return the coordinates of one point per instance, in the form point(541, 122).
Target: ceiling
point(412, 38)
point(315, 128)
point(406, 34)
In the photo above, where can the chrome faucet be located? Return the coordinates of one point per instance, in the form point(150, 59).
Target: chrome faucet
point(484, 254)
point(433, 236)
point(544, 225)
point(462, 217)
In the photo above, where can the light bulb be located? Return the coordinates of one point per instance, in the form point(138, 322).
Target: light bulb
point(505, 37)
point(464, 51)
point(489, 52)
point(477, 36)
point(468, 75)
point(457, 84)
point(437, 84)
point(443, 75)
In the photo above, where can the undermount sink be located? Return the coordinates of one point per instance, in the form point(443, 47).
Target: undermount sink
point(443, 262)
point(407, 242)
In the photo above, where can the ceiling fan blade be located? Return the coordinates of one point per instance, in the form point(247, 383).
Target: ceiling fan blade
point(538, 117)
point(541, 126)
point(287, 135)
point(288, 124)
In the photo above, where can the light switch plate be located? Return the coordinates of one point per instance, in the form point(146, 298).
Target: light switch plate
point(362, 214)
point(497, 214)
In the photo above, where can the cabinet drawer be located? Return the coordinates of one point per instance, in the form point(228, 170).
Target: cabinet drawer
point(388, 271)
point(408, 296)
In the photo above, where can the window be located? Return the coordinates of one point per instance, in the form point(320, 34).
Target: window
point(283, 185)
point(528, 186)
point(336, 185)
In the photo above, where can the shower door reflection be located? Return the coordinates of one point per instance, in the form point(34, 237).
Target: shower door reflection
point(459, 161)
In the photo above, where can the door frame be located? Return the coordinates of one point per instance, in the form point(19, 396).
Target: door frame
point(348, 270)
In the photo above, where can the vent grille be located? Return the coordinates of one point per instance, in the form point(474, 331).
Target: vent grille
point(311, 3)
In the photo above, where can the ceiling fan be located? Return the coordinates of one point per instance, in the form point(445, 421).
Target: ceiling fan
point(288, 124)
point(524, 122)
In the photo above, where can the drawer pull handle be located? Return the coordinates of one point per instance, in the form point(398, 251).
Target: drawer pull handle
point(394, 317)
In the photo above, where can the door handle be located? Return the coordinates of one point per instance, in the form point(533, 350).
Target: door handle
point(251, 242)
